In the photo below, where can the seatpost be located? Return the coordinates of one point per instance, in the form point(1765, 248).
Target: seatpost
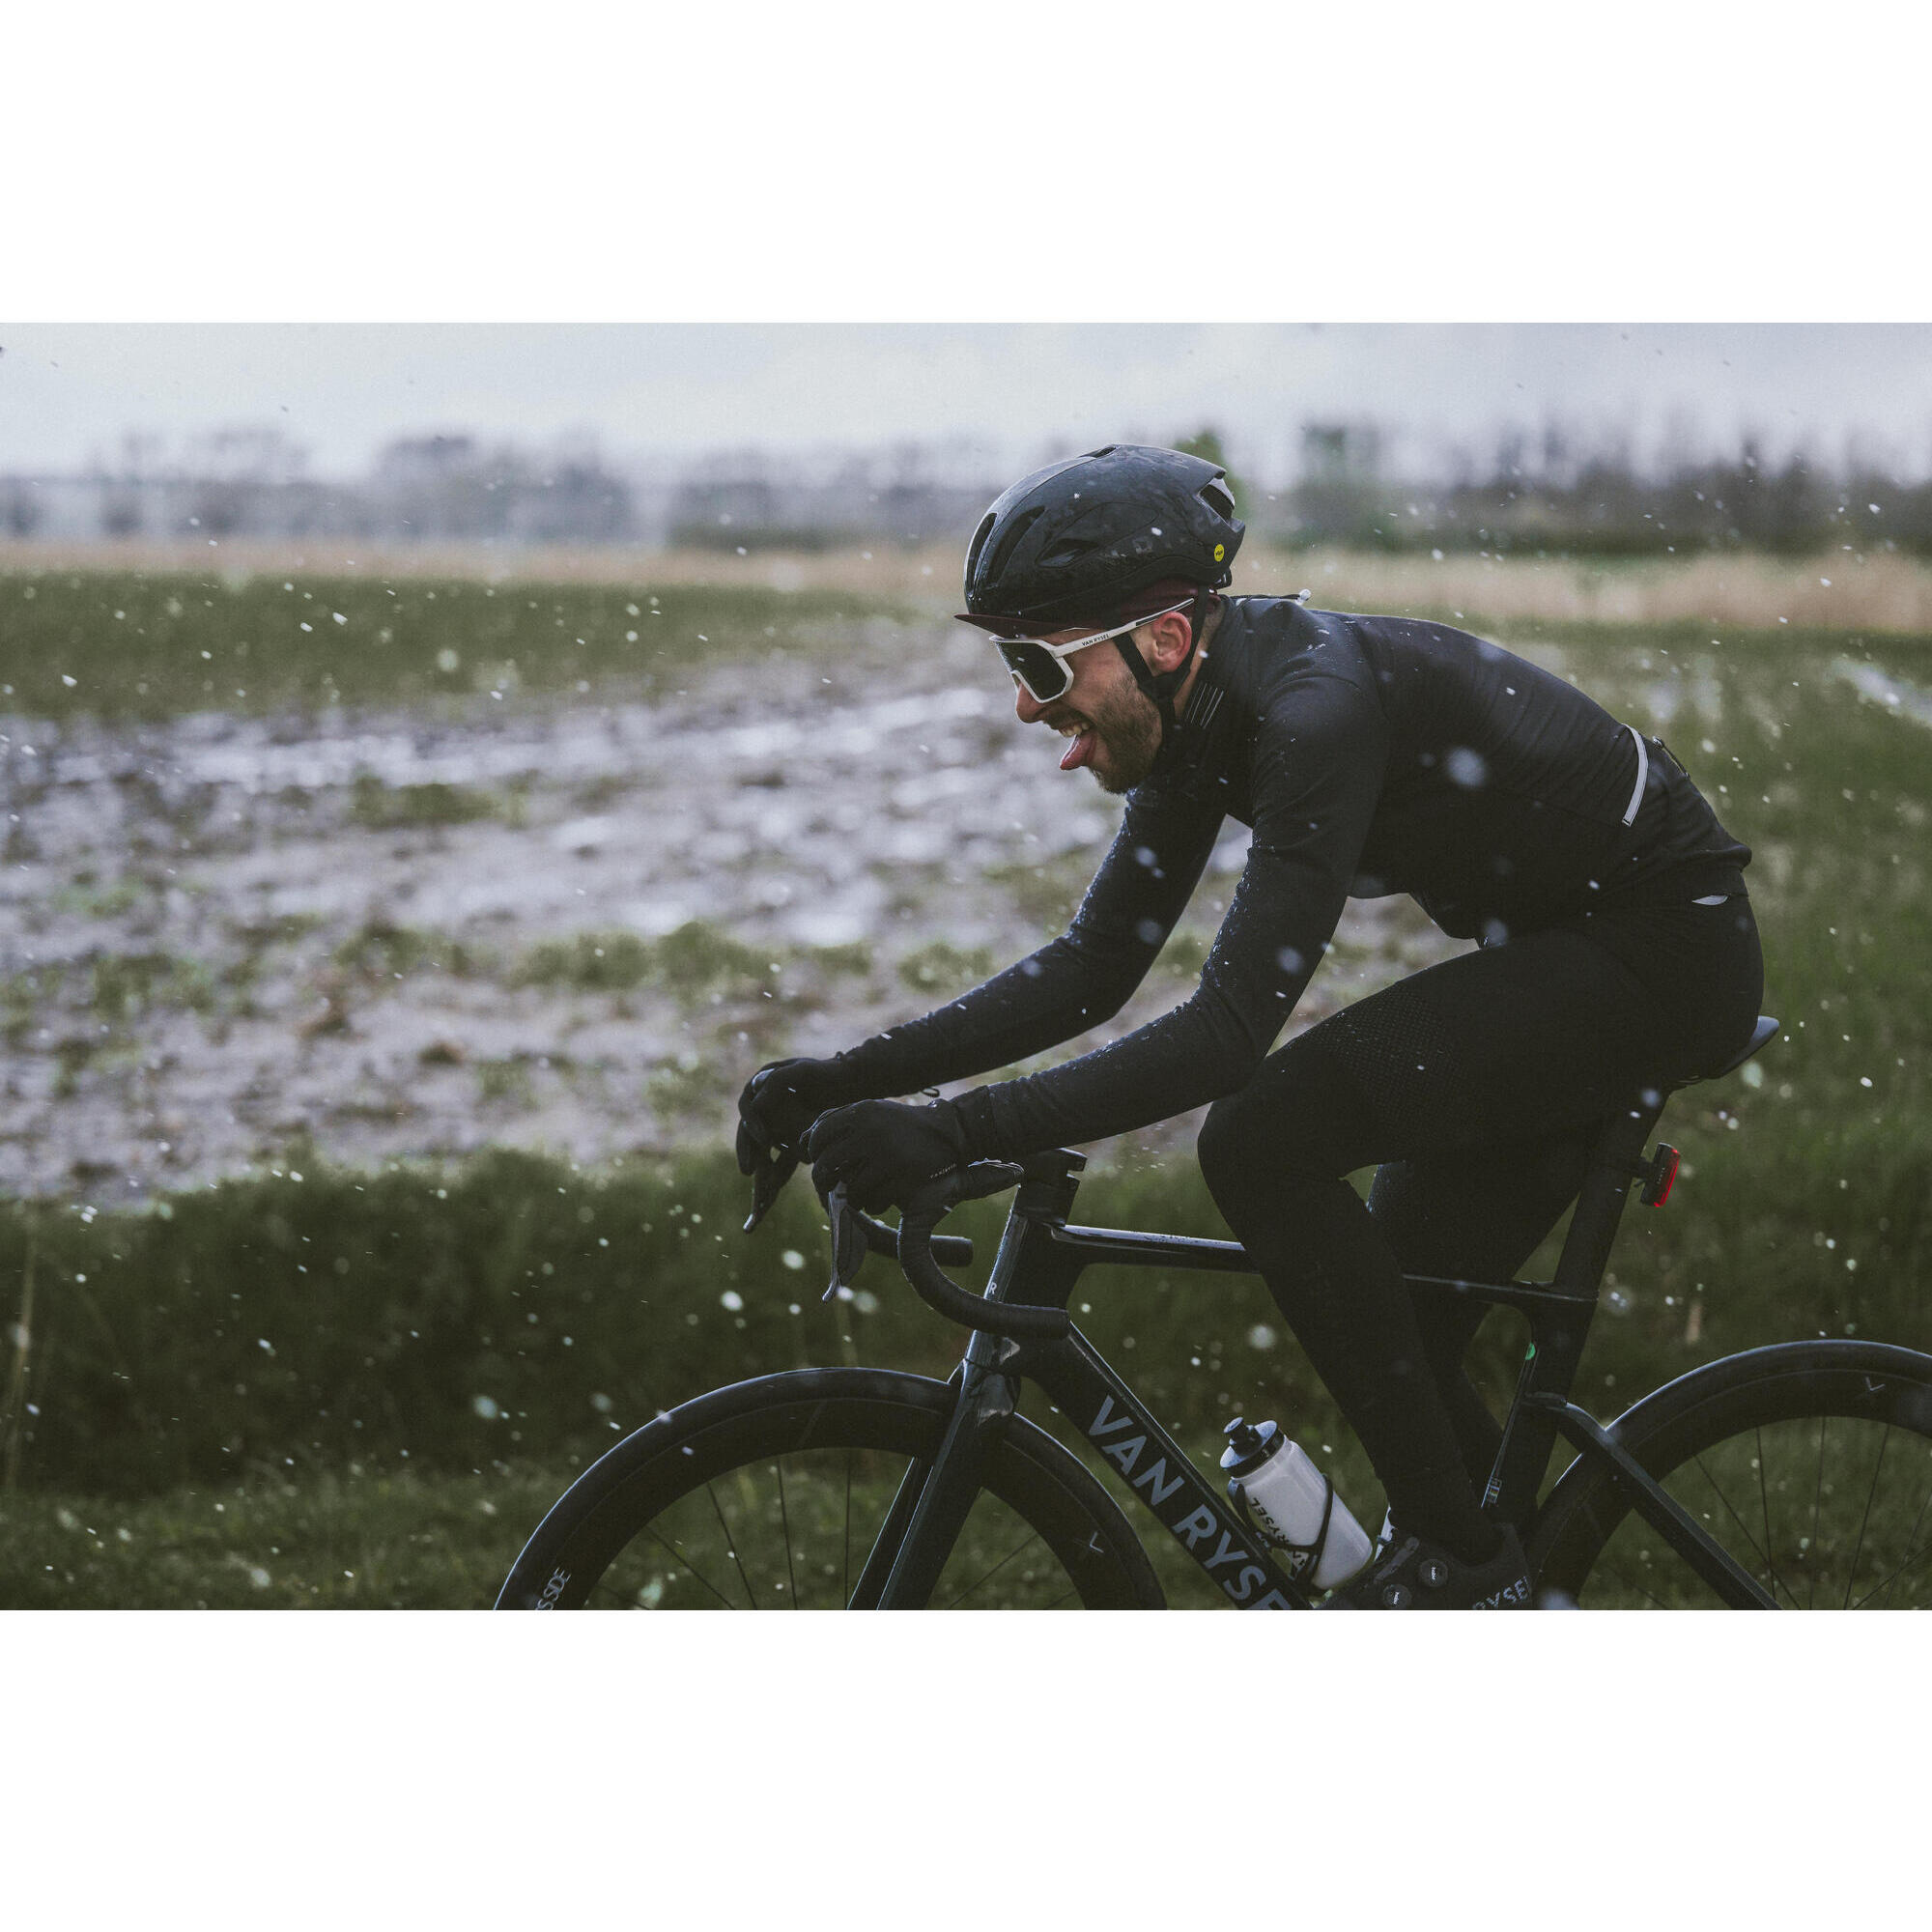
point(1614, 1163)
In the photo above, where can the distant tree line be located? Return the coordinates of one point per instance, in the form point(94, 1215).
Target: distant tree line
point(1546, 494)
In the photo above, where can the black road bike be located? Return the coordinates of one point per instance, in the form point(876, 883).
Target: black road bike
point(1797, 1476)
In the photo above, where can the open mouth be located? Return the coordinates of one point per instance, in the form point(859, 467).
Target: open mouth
point(1079, 751)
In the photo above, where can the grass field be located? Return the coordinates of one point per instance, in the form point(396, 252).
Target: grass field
point(1869, 590)
point(337, 1540)
point(75, 643)
point(456, 1330)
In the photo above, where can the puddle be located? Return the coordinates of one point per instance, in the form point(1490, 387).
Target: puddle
point(1900, 698)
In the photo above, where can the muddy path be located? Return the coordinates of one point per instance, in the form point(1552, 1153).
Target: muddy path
point(229, 944)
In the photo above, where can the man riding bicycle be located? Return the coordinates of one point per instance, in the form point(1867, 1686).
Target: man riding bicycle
point(1615, 952)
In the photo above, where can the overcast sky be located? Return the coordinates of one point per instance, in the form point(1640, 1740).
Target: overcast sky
point(68, 392)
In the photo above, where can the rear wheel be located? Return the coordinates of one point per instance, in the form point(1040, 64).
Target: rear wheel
point(1811, 1462)
point(771, 1494)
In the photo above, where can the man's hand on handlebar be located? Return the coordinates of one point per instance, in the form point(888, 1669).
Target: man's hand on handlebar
point(884, 1150)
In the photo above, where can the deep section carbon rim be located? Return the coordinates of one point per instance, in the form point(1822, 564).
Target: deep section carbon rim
point(771, 1496)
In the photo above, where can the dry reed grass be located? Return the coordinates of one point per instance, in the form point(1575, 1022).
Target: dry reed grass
point(1845, 590)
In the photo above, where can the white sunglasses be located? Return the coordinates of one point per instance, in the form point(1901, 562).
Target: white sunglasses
point(1040, 668)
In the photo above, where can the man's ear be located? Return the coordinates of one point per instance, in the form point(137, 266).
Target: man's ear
point(1168, 637)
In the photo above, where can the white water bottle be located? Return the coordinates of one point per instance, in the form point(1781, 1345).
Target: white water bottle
point(1276, 1486)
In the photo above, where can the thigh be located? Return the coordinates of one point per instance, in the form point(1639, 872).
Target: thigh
point(1450, 1072)
point(1540, 1038)
point(1479, 1212)
point(1489, 1079)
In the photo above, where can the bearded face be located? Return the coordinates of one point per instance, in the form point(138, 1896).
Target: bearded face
point(1116, 732)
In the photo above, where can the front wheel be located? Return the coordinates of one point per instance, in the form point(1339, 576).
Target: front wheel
point(771, 1494)
point(1811, 1462)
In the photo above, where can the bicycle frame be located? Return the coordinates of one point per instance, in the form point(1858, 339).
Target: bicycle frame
point(1040, 1260)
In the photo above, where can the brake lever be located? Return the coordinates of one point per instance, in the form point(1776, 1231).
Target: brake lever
point(768, 1180)
point(848, 1240)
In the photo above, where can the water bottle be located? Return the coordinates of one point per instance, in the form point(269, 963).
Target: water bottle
point(1276, 1486)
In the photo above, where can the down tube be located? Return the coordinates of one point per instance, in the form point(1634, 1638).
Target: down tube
point(1157, 1470)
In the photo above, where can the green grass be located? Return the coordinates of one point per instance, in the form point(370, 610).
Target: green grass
point(696, 964)
point(505, 1083)
point(314, 1539)
point(940, 970)
point(1047, 894)
point(380, 950)
point(697, 958)
point(384, 808)
point(124, 984)
point(155, 644)
point(91, 900)
point(685, 1087)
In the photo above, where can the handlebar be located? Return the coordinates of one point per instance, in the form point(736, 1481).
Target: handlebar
point(917, 1249)
point(919, 1253)
point(863, 1235)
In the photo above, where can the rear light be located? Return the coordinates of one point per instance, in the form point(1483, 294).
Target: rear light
point(1658, 1175)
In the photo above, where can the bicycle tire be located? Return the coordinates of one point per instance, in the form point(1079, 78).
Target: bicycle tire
point(1810, 1462)
point(711, 1472)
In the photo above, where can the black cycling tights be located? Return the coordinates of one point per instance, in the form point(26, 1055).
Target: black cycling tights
point(1479, 1086)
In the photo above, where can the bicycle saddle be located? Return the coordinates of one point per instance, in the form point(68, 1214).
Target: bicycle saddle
point(1762, 1036)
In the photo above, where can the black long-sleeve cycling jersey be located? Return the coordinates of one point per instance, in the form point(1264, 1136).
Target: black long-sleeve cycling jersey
point(1370, 755)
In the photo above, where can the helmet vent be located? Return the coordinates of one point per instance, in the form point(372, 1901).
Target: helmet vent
point(1009, 542)
point(1218, 498)
point(978, 543)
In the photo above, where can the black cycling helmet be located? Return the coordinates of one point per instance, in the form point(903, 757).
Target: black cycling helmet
point(1073, 545)
point(1073, 542)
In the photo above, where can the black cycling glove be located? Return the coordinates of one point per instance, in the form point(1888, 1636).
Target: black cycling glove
point(884, 1150)
point(780, 1101)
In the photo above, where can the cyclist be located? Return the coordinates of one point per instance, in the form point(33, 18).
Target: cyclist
point(1614, 951)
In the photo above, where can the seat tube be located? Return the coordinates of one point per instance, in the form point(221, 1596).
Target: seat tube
point(1600, 1205)
point(1557, 1337)
point(1558, 1334)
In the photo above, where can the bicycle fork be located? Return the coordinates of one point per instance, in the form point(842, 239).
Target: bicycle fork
point(934, 1498)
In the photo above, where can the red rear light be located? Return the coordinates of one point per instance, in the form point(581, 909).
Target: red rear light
point(1661, 1175)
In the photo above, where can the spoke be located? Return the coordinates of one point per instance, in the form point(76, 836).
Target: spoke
point(784, 1524)
point(1817, 1495)
point(1624, 1576)
point(1743, 1528)
point(731, 1545)
point(845, 1590)
point(1764, 1503)
point(1908, 1542)
point(1871, 1490)
point(1887, 1583)
point(677, 1550)
point(1032, 1536)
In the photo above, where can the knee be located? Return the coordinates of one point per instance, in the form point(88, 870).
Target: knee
point(1224, 1149)
point(1253, 1146)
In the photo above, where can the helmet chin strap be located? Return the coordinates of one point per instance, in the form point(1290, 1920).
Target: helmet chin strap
point(1162, 687)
